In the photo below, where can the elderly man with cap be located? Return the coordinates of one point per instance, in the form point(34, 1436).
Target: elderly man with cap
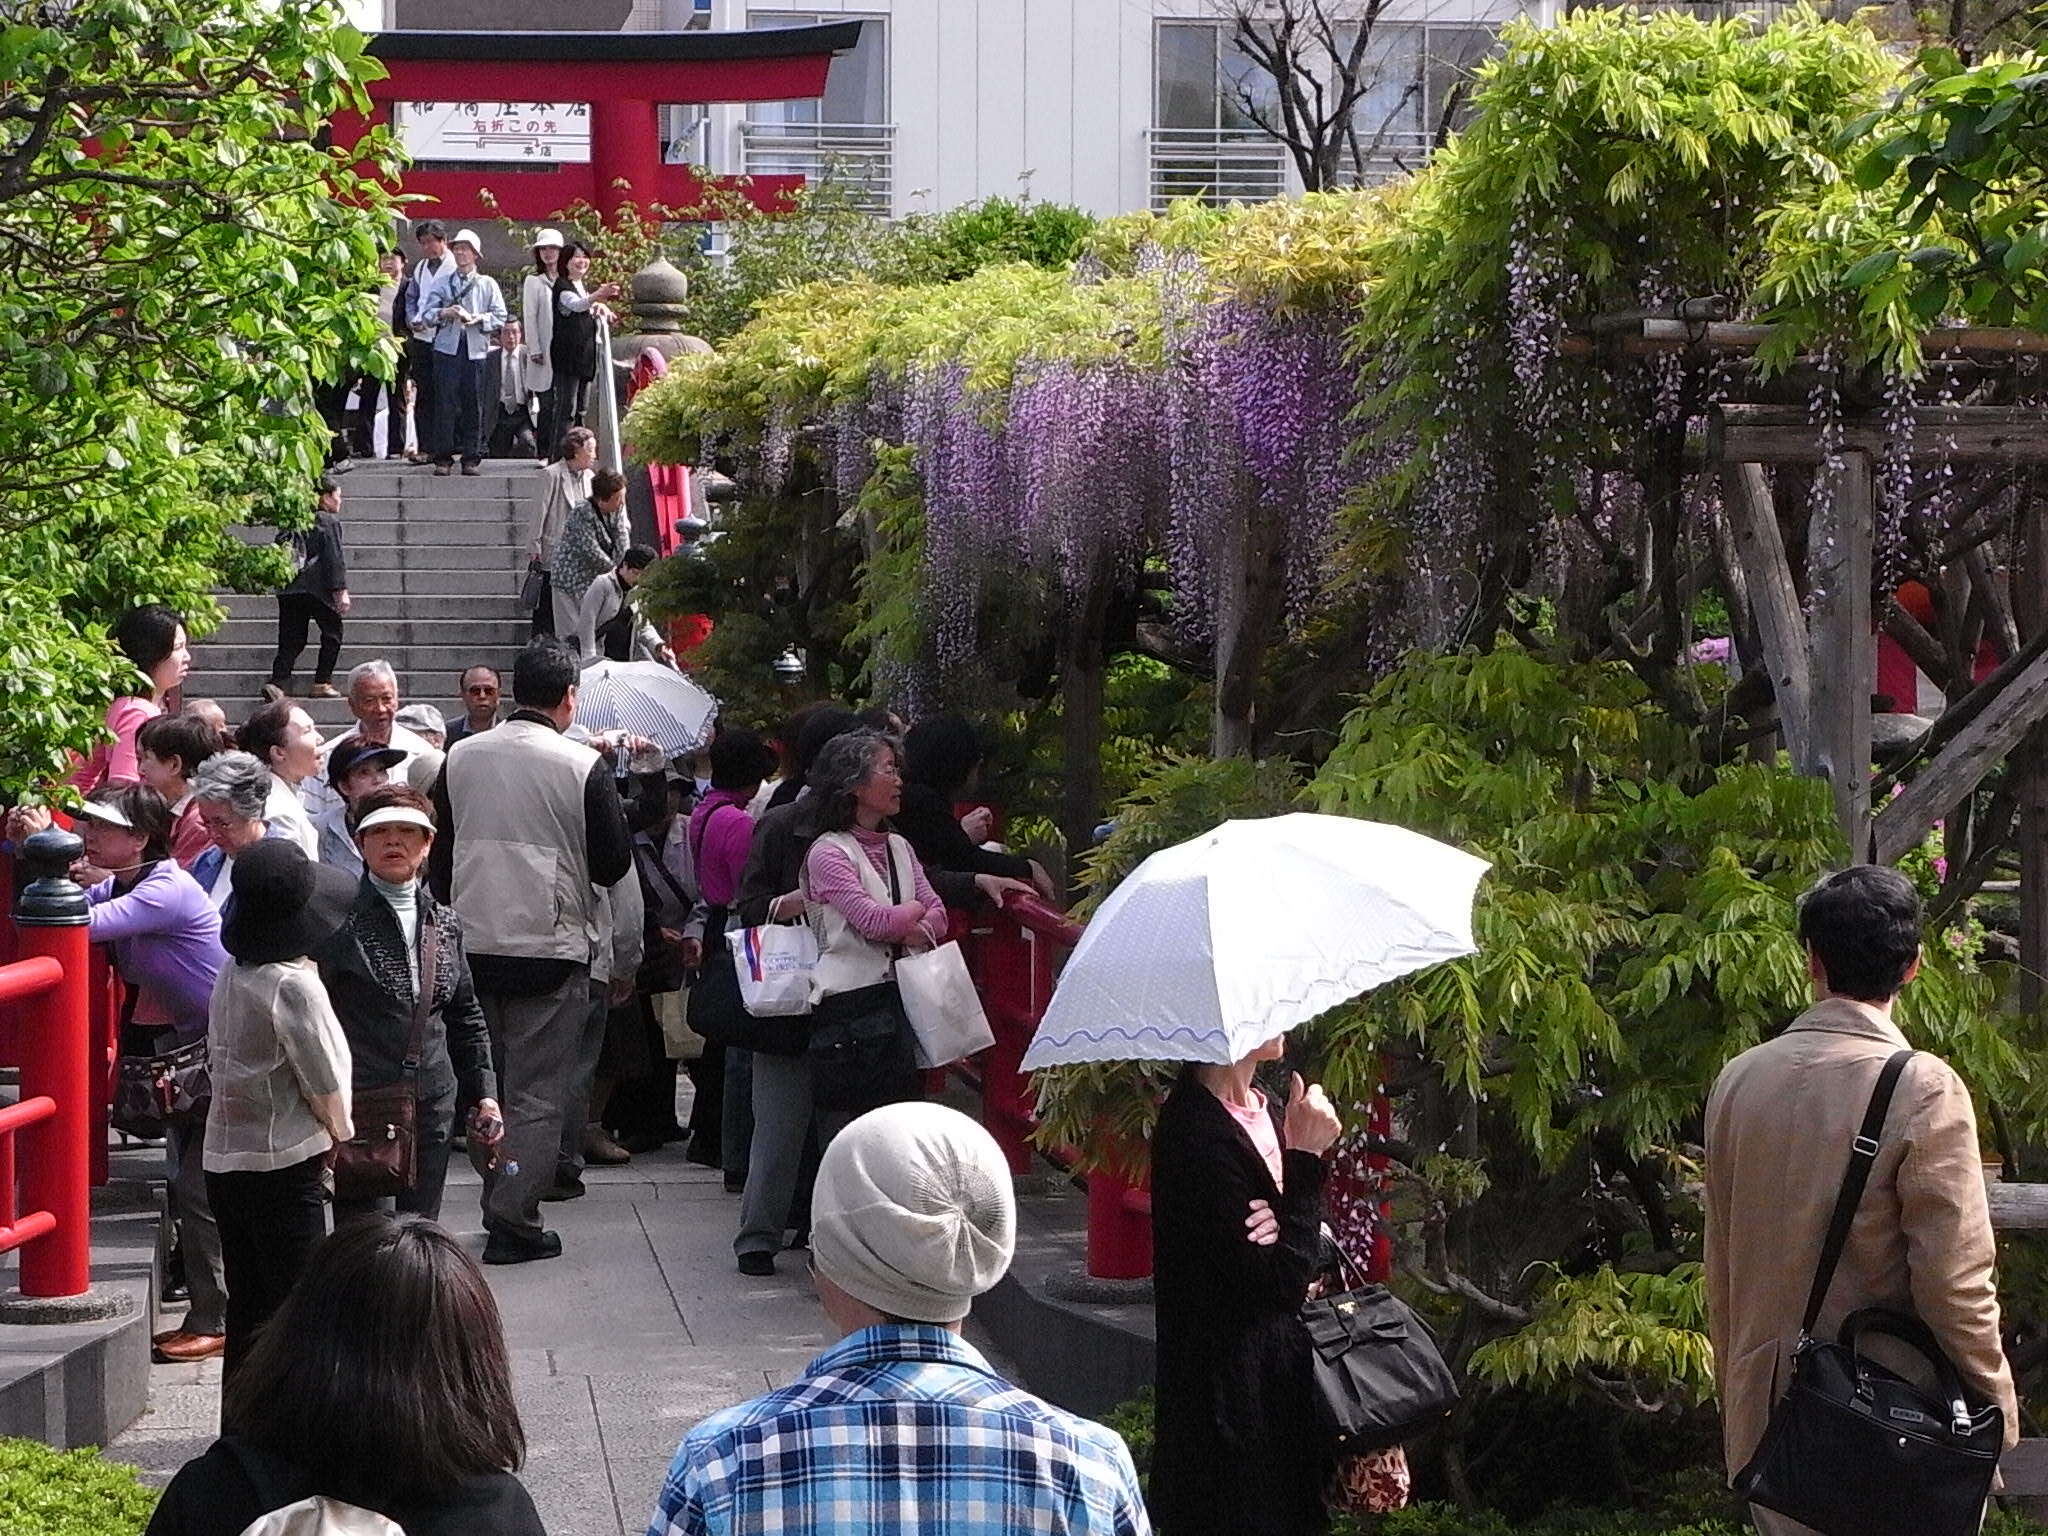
point(902, 1425)
point(466, 309)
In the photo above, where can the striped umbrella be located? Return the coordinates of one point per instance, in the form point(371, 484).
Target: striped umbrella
point(648, 699)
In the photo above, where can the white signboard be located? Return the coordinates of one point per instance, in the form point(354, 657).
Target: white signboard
point(496, 130)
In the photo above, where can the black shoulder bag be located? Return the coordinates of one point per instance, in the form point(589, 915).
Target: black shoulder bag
point(862, 1051)
point(383, 1157)
point(1853, 1449)
point(1379, 1378)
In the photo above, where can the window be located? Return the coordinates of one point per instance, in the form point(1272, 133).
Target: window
point(1421, 80)
point(1204, 80)
point(856, 90)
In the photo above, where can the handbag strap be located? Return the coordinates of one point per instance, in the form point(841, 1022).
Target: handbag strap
point(1862, 1155)
point(430, 956)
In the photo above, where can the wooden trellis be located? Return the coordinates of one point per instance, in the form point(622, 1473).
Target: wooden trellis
point(1822, 664)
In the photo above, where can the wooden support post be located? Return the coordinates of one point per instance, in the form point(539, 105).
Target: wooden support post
point(2030, 604)
point(1781, 626)
point(1845, 646)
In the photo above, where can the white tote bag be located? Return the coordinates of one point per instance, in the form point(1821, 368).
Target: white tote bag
point(945, 1010)
point(775, 962)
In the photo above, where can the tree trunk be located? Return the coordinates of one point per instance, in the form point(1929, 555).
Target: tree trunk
point(1082, 665)
point(1251, 607)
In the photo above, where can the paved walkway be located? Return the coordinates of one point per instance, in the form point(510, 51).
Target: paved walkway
point(641, 1328)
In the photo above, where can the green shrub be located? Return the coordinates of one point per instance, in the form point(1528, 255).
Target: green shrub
point(68, 1493)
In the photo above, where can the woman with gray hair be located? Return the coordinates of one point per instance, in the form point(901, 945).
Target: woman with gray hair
point(867, 898)
point(232, 791)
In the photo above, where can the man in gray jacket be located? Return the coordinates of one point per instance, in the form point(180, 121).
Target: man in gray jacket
point(532, 830)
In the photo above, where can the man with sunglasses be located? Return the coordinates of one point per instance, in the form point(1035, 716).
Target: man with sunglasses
point(480, 691)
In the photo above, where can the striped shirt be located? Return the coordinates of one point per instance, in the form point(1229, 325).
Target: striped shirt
point(900, 1430)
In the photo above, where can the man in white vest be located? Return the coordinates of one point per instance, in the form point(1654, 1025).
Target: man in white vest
point(531, 829)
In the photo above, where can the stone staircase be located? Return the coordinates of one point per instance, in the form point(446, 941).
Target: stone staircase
point(435, 565)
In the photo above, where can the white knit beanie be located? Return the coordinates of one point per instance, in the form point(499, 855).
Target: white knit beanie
point(913, 1212)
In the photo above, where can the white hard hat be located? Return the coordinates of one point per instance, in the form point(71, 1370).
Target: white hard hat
point(549, 237)
point(467, 237)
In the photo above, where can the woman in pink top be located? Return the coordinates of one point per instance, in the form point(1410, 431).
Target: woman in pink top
point(864, 914)
point(153, 639)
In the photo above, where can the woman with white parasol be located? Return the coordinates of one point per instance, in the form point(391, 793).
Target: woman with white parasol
point(1292, 915)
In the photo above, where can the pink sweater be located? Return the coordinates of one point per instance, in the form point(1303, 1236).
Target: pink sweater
point(113, 762)
point(830, 877)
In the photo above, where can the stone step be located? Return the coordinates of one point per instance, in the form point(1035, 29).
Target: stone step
point(367, 605)
point(418, 502)
point(240, 692)
point(375, 636)
point(506, 563)
point(422, 584)
point(413, 533)
point(252, 657)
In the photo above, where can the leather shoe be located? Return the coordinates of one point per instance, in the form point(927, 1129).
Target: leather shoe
point(180, 1348)
point(599, 1148)
point(757, 1264)
point(503, 1248)
point(176, 1289)
point(565, 1189)
point(323, 691)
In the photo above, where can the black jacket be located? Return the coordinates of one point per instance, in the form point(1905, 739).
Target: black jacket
point(775, 865)
point(927, 820)
point(234, 1484)
point(321, 557)
point(1238, 1448)
point(371, 985)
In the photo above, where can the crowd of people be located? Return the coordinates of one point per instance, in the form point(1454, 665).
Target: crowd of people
point(476, 377)
point(347, 959)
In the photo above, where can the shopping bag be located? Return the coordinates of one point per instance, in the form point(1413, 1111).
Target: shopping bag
point(944, 1009)
point(774, 962)
point(679, 1042)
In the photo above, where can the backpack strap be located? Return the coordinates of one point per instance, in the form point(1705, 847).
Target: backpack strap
point(1862, 1155)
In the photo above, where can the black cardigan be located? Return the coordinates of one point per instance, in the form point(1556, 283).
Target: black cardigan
point(363, 965)
point(927, 820)
point(1238, 1447)
point(234, 1484)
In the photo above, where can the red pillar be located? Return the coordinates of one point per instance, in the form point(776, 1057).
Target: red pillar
point(56, 1053)
point(625, 147)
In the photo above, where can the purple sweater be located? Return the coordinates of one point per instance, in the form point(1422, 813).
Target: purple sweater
point(166, 938)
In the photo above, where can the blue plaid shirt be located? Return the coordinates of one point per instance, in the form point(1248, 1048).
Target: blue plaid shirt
point(900, 1430)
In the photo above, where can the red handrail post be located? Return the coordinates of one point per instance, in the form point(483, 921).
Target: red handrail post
point(57, 1047)
point(1119, 1227)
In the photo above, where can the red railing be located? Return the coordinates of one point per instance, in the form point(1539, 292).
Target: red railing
point(45, 1196)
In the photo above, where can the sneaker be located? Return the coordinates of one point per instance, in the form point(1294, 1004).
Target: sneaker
point(471, 469)
point(323, 691)
point(565, 1189)
point(444, 469)
point(276, 692)
point(599, 1148)
point(757, 1264)
point(504, 1248)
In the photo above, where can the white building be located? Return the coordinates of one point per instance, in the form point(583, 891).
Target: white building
point(1111, 105)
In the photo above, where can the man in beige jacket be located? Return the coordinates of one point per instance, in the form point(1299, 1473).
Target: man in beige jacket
point(1779, 1127)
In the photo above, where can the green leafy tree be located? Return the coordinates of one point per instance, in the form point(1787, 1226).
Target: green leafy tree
point(181, 260)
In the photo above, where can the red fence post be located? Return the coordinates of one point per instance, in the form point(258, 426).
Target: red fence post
point(51, 918)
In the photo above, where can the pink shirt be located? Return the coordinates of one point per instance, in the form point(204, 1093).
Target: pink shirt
point(113, 762)
point(1257, 1122)
point(830, 877)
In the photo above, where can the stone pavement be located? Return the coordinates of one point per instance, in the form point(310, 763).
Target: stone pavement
point(641, 1328)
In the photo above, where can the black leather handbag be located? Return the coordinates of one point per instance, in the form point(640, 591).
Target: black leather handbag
point(1853, 1449)
point(1379, 1378)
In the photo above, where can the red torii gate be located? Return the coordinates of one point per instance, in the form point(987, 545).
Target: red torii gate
point(623, 76)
